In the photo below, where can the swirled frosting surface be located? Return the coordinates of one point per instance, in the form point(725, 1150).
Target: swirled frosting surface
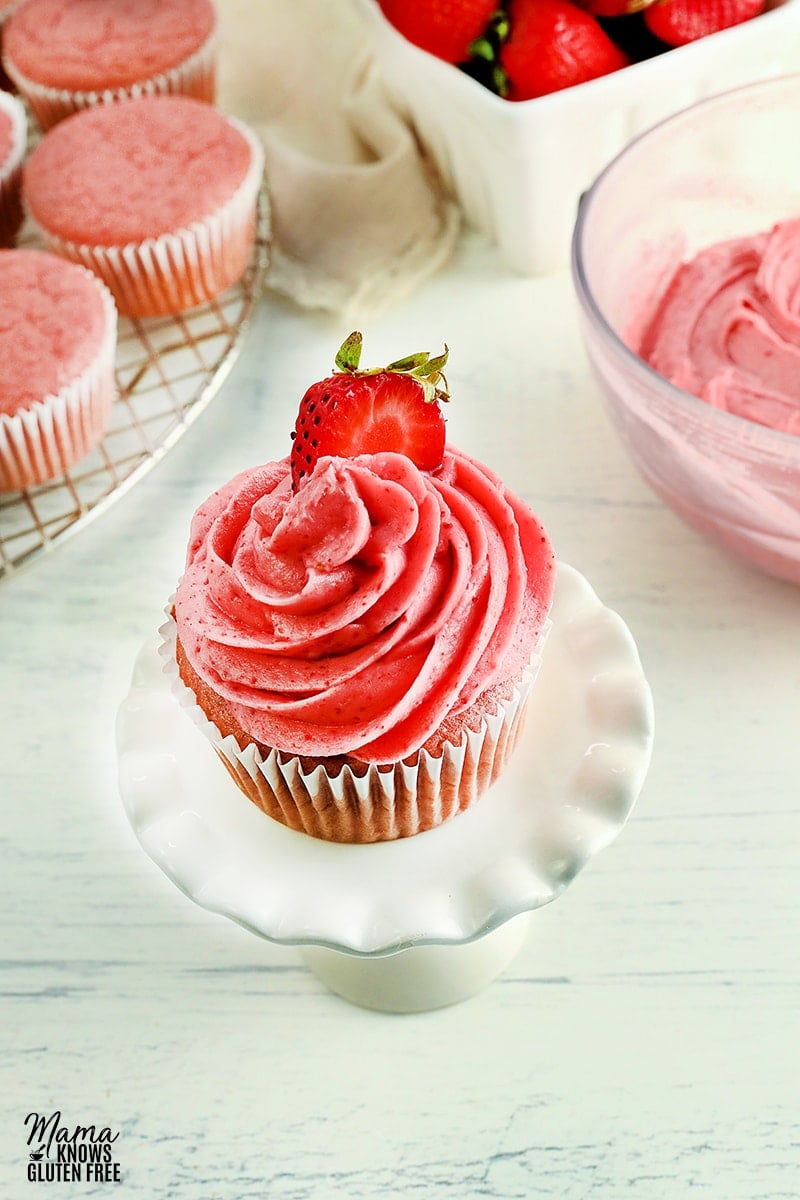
point(727, 328)
point(353, 616)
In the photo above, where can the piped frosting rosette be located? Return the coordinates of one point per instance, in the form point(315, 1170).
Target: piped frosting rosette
point(360, 652)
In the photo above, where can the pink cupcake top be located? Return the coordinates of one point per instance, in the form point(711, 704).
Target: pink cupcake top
point(91, 45)
point(53, 323)
point(121, 173)
point(355, 615)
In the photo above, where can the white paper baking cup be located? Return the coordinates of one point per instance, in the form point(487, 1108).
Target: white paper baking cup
point(11, 170)
point(177, 271)
point(195, 76)
point(45, 439)
point(382, 804)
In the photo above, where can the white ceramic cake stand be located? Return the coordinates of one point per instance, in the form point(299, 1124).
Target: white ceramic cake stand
point(425, 921)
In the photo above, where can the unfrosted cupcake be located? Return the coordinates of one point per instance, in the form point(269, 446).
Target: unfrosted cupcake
point(65, 55)
point(13, 132)
point(57, 340)
point(157, 196)
point(359, 624)
point(6, 9)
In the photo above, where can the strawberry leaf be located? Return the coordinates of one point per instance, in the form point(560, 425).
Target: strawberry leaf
point(435, 365)
point(349, 354)
point(411, 363)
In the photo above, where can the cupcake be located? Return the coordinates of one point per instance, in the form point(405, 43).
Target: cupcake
point(6, 9)
point(13, 131)
point(359, 624)
point(156, 196)
point(58, 330)
point(65, 55)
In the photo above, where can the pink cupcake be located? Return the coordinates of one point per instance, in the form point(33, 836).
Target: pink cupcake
point(58, 330)
point(6, 9)
point(157, 196)
point(13, 133)
point(359, 624)
point(65, 55)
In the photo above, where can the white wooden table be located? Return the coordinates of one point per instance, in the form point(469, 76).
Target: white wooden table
point(645, 1045)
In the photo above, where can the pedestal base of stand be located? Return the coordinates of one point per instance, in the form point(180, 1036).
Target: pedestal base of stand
point(422, 977)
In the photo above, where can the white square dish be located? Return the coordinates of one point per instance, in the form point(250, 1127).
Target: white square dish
point(518, 169)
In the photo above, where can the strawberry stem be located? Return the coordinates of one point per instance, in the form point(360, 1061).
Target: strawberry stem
point(427, 371)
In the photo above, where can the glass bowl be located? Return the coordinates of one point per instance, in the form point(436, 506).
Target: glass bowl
point(725, 167)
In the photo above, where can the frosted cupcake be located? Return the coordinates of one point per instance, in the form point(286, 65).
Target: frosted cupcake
point(359, 624)
point(156, 196)
point(57, 341)
point(13, 131)
point(65, 55)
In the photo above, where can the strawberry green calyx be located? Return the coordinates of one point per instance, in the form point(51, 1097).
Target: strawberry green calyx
point(427, 371)
point(483, 63)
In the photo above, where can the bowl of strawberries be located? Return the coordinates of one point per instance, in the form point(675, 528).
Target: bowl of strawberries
point(520, 103)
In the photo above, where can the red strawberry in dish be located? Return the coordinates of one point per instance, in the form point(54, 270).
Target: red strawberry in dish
point(553, 44)
point(613, 8)
point(678, 22)
point(445, 28)
point(356, 411)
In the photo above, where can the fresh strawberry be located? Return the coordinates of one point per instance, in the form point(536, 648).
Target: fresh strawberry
point(553, 44)
point(678, 22)
point(613, 8)
point(445, 28)
point(370, 411)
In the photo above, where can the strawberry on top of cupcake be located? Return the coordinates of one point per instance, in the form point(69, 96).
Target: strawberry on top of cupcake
point(362, 607)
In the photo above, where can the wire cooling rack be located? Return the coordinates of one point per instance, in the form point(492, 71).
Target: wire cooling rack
point(167, 370)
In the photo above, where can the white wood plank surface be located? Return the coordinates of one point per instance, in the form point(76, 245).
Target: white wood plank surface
point(645, 1045)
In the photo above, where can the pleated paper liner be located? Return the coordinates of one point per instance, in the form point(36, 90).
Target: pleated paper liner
point(381, 803)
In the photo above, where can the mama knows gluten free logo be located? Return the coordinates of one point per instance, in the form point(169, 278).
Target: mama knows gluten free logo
point(58, 1153)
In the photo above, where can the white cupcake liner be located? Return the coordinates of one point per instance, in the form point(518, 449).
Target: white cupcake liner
point(44, 440)
point(177, 271)
point(11, 170)
point(382, 804)
point(195, 77)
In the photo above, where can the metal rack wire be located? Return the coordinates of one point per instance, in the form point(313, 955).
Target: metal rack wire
point(167, 370)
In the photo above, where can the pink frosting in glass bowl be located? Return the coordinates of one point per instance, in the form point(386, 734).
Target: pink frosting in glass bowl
point(356, 615)
point(727, 328)
point(727, 463)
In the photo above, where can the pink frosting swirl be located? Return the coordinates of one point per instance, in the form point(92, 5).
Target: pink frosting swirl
point(353, 616)
point(728, 327)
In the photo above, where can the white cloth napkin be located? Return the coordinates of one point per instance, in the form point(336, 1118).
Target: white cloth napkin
point(358, 217)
